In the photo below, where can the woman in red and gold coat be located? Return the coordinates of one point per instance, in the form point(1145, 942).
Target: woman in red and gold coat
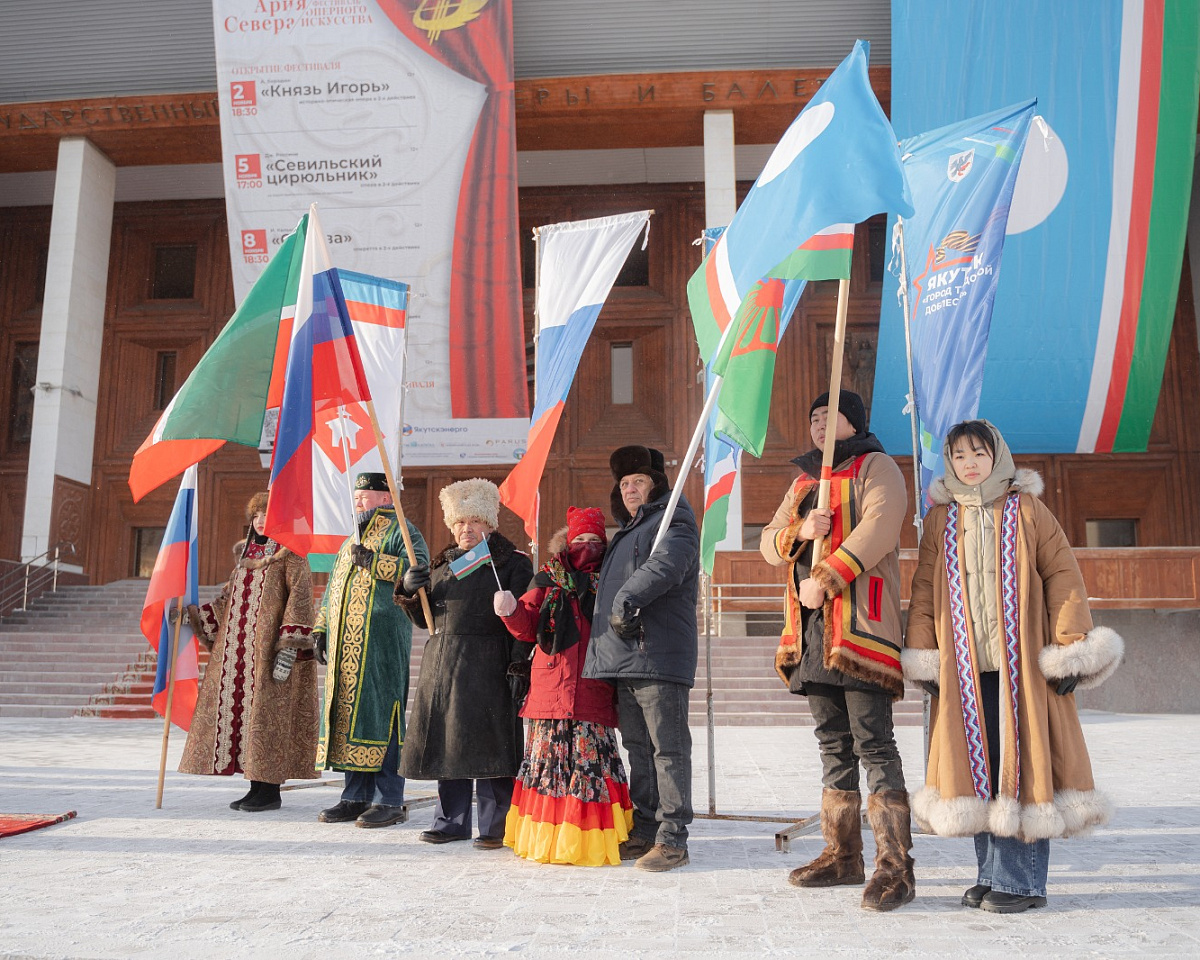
point(256, 711)
point(571, 800)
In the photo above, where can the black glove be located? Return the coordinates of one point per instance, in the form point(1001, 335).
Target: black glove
point(627, 626)
point(415, 579)
point(360, 556)
point(1067, 685)
point(518, 681)
point(930, 687)
point(321, 645)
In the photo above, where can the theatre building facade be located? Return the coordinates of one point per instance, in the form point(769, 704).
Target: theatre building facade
point(115, 277)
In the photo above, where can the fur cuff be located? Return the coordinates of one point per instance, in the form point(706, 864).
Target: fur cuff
point(955, 817)
point(1081, 810)
point(1073, 812)
point(1093, 659)
point(294, 636)
point(921, 664)
point(829, 579)
point(787, 659)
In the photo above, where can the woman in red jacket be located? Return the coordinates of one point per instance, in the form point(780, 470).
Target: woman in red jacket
point(571, 800)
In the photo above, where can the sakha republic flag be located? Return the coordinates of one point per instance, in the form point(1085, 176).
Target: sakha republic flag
point(175, 580)
point(837, 164)
point(323, 368)
point(1153, 153)
point(226, 395)
point(578, 263)
point(962, 178)
point(478, 556)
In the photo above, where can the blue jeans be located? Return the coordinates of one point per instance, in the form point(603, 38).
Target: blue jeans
point(1006, 864)
point(453, 812)
point(654, 729)
point(361, 787)
point(1011, 865)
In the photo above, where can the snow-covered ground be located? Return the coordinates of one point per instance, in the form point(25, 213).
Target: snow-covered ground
point(197, 880)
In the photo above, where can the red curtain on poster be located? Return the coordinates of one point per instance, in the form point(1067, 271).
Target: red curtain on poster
point(487, 338)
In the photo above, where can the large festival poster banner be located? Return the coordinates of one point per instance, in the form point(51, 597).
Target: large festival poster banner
point(397, 118)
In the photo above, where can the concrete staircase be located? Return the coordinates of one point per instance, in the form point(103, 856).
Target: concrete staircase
point(747, 691)
point(79, 652)
point(76, 650)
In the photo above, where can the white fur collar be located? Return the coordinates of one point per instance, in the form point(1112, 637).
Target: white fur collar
point(1025, 481)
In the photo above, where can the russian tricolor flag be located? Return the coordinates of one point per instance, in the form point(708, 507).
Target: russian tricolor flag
point(175, 577)
point(578, 263)
point(323, 367)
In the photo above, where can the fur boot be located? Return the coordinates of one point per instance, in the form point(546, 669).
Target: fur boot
point(893, 883)
point(841, 862)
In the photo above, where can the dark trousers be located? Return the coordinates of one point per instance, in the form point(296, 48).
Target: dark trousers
point(854, 726)
point(1006, 864)
point(361, 787)
point(654, 729)
point(453, 812)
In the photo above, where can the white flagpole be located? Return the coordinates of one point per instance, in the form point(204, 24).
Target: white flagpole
point(537, 335)
point(342, 418)
point(912, 384)
point(686, 465)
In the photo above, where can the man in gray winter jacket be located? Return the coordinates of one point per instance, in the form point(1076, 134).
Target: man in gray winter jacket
point(644, 640)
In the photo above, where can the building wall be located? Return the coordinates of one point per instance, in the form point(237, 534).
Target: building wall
point(1156, 488)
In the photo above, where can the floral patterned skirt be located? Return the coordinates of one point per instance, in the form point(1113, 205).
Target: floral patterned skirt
point(571, 800)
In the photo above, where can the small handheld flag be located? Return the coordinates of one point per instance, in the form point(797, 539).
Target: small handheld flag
point(472, 560)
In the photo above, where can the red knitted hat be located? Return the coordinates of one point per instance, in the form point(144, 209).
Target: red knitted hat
point(585, 520)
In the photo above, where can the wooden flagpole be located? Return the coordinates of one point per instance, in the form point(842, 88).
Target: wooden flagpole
point(395, 494)
point(835, 395)
point(173, 653)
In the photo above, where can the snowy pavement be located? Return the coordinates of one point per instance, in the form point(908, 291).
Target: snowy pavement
point(198, 880)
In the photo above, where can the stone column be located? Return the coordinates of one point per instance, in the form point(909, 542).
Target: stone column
point(720, 204)
point(68, 372)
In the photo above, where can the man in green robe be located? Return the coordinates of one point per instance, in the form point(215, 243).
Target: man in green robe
point(366, 640)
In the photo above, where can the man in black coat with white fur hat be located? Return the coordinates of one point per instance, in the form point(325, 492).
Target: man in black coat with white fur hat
point(644, 640)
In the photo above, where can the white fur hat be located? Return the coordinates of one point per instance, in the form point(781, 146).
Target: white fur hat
point(474, 499)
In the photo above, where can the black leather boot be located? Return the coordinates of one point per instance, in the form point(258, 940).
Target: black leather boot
point(267, 798)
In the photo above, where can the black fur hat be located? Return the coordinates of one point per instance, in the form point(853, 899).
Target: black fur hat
point(636, 459)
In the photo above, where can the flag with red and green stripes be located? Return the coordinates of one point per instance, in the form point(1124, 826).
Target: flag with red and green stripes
point(1083, 316)
point(746, 358)
point(1155, 141)
point(827, 254)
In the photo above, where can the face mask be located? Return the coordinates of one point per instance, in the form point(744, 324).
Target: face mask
point(585, 554)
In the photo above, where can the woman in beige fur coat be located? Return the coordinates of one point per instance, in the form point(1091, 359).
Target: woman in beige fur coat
point(999, 631)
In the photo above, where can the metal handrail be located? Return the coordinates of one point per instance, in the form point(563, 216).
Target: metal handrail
point(760, 600)
point(28, 580)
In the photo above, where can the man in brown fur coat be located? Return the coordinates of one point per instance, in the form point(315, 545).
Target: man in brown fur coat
point(841, 646)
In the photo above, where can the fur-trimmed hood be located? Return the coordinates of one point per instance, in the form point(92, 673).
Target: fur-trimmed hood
point(1026, 481)
point(558, 542)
